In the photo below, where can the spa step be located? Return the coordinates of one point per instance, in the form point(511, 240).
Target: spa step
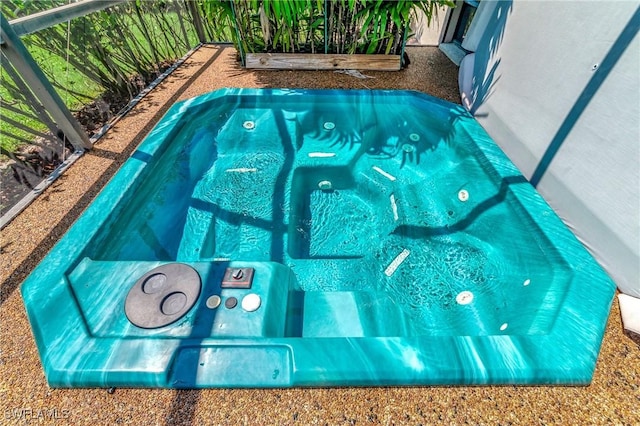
point(353, 314)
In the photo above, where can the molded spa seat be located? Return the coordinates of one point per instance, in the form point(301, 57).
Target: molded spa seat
point(102, 288)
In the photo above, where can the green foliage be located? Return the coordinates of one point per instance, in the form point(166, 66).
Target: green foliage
point(319, 26)
point(114, 51)
point(109, 47)
point(219, 22)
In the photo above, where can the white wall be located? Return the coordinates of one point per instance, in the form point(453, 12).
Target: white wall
point(426, 34)
point(560, 81)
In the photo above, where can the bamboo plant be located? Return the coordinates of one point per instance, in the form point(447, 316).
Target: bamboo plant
point(319, 26)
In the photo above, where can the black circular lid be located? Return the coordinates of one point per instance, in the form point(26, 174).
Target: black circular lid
point(163, 295)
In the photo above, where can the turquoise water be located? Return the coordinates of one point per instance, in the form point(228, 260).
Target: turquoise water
point(225, 190)
point(390, 240)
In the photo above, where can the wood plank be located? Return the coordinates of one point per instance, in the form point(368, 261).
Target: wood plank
point(311, 61)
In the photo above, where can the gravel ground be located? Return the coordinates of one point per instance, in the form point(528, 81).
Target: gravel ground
point(612, 398)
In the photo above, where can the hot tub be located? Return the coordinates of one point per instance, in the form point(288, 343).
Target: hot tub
point(276, 238)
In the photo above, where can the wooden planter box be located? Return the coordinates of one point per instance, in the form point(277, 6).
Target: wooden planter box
point(319, 61)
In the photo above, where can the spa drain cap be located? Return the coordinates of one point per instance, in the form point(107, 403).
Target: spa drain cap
point(163, 295)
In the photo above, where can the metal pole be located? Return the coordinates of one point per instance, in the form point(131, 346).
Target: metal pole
point(33, 76)
point(48, 18)
point(29, 99)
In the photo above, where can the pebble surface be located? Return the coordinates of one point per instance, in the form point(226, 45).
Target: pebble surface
point(612, 398)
